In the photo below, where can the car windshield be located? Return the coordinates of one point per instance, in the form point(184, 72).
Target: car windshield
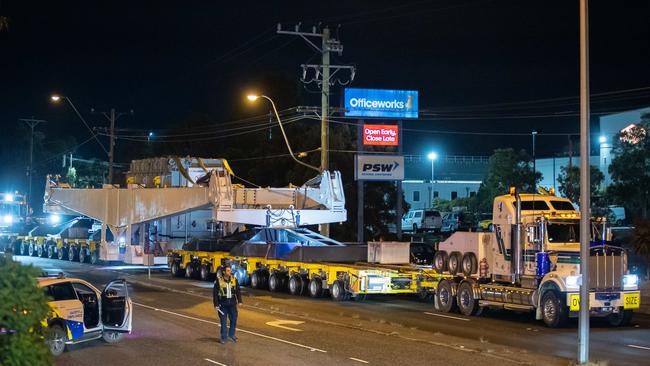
point(563, 232)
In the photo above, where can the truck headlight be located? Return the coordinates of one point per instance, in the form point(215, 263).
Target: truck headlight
point(573, 282)
point(630, 282)
point(8, 219)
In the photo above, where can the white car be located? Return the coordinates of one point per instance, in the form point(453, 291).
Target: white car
point(80, 312)
point(422, 220)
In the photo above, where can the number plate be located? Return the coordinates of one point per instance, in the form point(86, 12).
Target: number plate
point(631, 300)
point(574, 302)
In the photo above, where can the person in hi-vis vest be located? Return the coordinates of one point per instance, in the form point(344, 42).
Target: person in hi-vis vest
point(226, 295)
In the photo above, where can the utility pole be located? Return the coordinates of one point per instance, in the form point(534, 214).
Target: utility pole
point(111, 145)
point(32, 123)
point(585, 192)
point(324, 79)
point(534, 133)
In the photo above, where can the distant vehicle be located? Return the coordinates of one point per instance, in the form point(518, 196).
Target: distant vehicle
point(458, 221)
point(422, 220)
point(80, 312)
point(617, 214)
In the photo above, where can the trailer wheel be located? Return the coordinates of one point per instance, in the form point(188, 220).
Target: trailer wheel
point(620, 319)
point(190, 270)
point(82, 255)
point(276, 282)
point(296, 285)
point(24, 248)
point(30, 249)
point(315, 287)
point(94, 257)
point(62, 253)
point(440, 261)
point(204, 272)
point(39, 251)
point(338, 291)
point(175, 269)
point(72, 253)
point(259, 279)
point(455, 259)
point(469, 264)
point(467, 302)
point(445, 299)
point(50, 251)
point(554, 311)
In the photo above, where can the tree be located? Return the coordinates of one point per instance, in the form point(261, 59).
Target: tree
point(506, 168)
point(569, 181)
point(641, 242)
point(629, 169)
point(23, 306)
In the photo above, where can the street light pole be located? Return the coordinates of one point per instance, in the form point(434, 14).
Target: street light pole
point(32, 123)
point(432, 156)
point(585, 204)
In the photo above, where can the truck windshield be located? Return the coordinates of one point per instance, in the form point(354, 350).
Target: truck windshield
point(10, 209)
point(563, 232)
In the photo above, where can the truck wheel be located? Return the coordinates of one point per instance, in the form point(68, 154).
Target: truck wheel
point(94, 257)
point(82, 255)
point(440, 261)
point(61, 253)
point(50, 251)
point(467, 302)
point(554, 310)
point(315, 287)
point(56, 338)
point(72, 253)
point(30, 249)
point(338, 291)
point(39, 251)
point(469, 264)
point(176, 270)
point(445, 299)
point(259, 279)
point(620, 319)
point(296, 285)
point(205, 272)
point(190, 271)
point(24, 248)
point(276, 282)
point(455, 259)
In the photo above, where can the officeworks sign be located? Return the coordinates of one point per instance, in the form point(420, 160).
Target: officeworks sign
point(379, 167)
point(381, 103)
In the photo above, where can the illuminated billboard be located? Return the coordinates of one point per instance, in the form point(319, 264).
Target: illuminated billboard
point(380, 135)
point(381, 103)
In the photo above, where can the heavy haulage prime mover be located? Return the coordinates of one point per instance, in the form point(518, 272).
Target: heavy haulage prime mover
point(531, 261)
point(472, 270)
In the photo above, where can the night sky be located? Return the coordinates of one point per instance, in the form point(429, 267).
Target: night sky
point(169, 60)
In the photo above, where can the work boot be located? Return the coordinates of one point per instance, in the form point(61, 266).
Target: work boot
point(222, 341)
point(234, 339)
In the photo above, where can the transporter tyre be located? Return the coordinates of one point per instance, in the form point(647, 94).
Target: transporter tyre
point(554, 310)
point(296, 285)
point(467, 302)
point(441, 261)
point(190, 270)
point(445, 299)
point(315, 287)
point(259, 279)
point(30, 249)
point(204, 272)
point(62, 253)
point(39, 251)
point(276, 282)
point(455, 259)
point(24, 248)
point(176, 270)
point(50, 252)
point(83, 258)
point(338, 292)
point(620, 319)
point(94, 257)
point(469, 264)
point(73, 253)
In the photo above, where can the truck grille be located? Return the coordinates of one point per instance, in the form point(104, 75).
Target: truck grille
point(606, 268)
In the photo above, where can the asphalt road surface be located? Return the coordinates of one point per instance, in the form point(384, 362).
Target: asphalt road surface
point(174, 323)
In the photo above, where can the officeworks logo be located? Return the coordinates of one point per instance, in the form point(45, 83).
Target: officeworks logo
point(381, 103)
point(379, 167)
point(387, 168)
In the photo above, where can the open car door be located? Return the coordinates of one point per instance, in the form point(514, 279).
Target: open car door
point(117, 309)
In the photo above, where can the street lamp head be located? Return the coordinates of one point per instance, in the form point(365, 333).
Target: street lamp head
point(602, 139)
point(55, 98)
point(252, 97)
point(150, 134)
point(432, 156)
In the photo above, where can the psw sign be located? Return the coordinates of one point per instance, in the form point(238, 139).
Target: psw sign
point(379, 167)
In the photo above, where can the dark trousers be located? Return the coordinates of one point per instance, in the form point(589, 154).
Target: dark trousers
point(229, 311)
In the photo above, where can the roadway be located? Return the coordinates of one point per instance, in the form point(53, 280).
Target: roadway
point(175, 323)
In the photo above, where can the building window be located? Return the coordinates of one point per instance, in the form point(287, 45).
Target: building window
point(436, 194)
point(454, 195)
point(472, 194)
point(416, 196)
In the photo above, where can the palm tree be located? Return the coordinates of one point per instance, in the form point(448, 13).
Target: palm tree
point(641, 242)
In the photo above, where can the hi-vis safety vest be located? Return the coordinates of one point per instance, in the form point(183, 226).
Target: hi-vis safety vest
point(224, 291)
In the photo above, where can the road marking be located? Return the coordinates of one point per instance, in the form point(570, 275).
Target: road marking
point(447, 316)
point(215, 362)
point(359, 360)
point(313, 349)
point(640, 347)
point(281, 324)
